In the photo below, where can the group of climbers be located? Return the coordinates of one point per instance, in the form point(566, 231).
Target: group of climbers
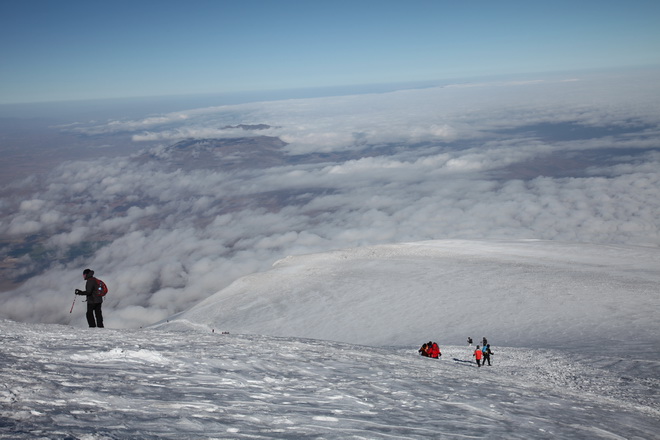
point(430, 349)
point(481, 354)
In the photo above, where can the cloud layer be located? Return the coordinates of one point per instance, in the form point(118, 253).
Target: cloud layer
point(571, 159)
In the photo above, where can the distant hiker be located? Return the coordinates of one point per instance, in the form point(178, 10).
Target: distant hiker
point(478, 355)
point(470, 341)
point(434, 352)
point(424, 350)
point(486, 354)
point(484, 341)
point(94, 300)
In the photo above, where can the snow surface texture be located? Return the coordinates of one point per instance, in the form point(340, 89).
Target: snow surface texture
point(92, 384)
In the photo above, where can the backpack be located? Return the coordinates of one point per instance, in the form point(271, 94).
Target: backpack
point(102, 288)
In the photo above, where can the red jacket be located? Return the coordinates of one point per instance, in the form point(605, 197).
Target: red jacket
point(478, 354)
point(435, 351)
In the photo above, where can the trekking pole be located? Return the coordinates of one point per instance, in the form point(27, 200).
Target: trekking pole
point(74, 302)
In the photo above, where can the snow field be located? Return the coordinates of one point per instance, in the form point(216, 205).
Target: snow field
point(524, 293)
point(64, 383)
point(324, 346)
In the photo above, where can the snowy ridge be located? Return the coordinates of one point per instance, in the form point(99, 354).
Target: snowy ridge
point(66, 383)
point(526, 293)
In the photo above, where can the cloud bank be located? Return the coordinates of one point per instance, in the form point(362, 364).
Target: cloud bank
point(570, 159)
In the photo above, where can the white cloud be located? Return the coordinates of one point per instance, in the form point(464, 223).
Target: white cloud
point(21, 225)
point(32, 205)
point(436, 168)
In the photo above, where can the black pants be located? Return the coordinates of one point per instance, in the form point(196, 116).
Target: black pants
point(486, 358)
point(92, 311)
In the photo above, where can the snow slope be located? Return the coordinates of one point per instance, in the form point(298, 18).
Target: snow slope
point(60, 382)
point(325, 346)
point(593, 298)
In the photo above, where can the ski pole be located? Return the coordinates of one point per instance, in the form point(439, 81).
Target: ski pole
point(74, 302)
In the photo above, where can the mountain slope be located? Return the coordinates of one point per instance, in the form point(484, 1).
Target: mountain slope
point(63, 383)
point(516, 293)
point(596, 304)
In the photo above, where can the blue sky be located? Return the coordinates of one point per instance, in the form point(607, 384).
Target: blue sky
point(73, 50)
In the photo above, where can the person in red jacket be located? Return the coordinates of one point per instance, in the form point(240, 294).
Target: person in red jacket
point(435, 351)
point(94, 300)
point(478, 355)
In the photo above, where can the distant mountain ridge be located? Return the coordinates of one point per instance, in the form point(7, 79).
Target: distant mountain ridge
point(248, 127)
point(222, 153)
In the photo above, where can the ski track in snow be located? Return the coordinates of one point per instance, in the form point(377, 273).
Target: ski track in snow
point(60, 382)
